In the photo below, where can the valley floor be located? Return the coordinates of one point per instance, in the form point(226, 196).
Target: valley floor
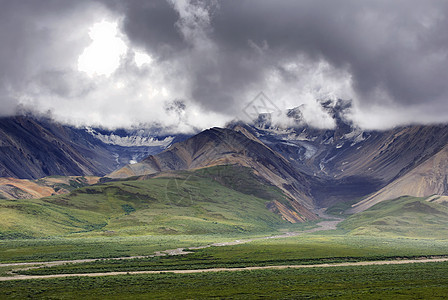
point(321, 226)
point(192, 271)
point(406, 281)
point(320, 261)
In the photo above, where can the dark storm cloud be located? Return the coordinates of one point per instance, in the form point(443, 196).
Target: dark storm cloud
point(398, 47)
point(395, 51)
point(220, 54)
point(158, 18)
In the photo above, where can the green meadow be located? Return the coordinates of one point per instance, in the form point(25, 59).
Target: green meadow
point(414, 281)
point(306, 249)
point(402, 217)
point(219, 200)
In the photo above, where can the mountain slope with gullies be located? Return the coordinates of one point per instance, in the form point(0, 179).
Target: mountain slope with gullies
point(348, 163)
point(381, 159)
point(222, 146)
point(428, 178)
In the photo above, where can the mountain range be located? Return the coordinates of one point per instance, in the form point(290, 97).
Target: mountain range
point(319, 167)
point(344, 167)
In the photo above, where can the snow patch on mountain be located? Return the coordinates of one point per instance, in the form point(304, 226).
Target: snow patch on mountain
point(131, 140)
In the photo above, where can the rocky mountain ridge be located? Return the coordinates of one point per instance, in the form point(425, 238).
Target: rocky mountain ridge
point(349, 163)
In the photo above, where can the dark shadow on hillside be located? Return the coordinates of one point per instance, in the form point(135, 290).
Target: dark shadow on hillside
point(328, 192)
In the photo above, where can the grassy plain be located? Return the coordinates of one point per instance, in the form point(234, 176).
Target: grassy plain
point(413, 281)
point(307, 249)
point(26, 250)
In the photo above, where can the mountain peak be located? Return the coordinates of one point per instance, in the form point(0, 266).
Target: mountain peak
point(298, 117)
point(338, 110)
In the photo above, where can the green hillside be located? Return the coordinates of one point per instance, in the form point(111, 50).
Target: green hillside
point(223, 199)
point(405, 216)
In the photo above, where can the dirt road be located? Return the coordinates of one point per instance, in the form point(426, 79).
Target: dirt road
point(347, 264)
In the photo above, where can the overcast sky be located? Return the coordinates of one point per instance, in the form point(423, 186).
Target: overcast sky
point(199, 63)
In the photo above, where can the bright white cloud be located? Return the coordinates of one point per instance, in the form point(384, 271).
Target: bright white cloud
point(103, 56)
point(142, 58)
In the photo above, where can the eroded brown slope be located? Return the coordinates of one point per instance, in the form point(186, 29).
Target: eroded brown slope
point(13, 188)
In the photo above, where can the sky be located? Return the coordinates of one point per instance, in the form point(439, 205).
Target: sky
point(196, 64)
